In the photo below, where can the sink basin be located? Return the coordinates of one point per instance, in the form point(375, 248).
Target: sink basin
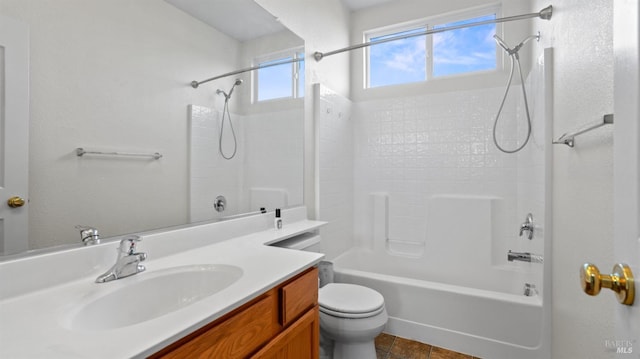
point(149, 295)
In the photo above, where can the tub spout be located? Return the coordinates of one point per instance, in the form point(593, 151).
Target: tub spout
point(524, 257)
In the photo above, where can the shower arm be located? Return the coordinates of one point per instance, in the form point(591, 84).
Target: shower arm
point(544, 14)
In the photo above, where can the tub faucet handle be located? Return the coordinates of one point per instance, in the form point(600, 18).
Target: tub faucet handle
point(89, 235)
point(527, 226)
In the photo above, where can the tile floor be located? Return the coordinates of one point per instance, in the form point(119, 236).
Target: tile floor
point(392, 347)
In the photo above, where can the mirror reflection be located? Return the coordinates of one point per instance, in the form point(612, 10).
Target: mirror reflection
point(114, 76)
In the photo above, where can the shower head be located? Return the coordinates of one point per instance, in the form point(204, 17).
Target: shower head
point(228, 96)
point(236, 83)
point(501, 43)
point(515, 49)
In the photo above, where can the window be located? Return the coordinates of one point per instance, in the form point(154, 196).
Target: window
point(281, 79)
point(464, 50)
point(425, 57)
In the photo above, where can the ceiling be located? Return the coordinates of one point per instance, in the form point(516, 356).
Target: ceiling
point(241, 19)
point(361, 4)
point(244, 19)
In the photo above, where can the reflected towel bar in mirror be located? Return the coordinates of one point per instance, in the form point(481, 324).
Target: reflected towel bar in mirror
point(81, 152)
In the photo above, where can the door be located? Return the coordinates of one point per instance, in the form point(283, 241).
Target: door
point(14, 135)
point(627, 166)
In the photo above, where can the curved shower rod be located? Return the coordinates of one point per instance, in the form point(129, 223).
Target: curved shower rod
point(195, 84)
point(544, 14)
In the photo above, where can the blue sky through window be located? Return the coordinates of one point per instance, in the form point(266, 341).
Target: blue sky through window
point(464, 50)
point(275, 81)
point(453, 52)
point(399, 61)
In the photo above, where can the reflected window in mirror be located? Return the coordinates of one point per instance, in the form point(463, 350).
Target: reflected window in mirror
point(282, 76)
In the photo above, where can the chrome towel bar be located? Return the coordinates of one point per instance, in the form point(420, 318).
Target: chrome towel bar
point(568, 138)
point(81, 152)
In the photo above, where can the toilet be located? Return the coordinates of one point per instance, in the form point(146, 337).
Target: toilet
point(351, 316)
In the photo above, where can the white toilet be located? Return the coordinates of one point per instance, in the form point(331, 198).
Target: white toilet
point(352, 316)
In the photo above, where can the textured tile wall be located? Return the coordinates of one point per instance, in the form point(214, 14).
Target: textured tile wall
point(335, 164)
point(269, 155)
point(274, 145)
point(206, 165)
point(420, 146)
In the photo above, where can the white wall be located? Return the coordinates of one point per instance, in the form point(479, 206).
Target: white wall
point(112, 75)
point(581, 34)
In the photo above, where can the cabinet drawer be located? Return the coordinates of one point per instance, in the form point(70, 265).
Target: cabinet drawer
point(298, 296)
point(235, 337)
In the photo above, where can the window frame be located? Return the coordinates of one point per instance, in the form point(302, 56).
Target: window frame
point(297, 89)
point(429, 23)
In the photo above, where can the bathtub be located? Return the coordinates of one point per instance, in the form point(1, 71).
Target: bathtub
point(486, 323)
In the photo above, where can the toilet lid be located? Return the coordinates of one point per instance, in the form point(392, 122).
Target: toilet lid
point(349, 299)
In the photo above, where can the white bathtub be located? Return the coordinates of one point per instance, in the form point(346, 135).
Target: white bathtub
point(495, 323)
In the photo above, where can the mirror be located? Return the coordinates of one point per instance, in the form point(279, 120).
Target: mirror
point(113, 76)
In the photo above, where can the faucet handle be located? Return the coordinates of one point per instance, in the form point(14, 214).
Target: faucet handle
point(89, 235)
point(128, 244)
point(527, 226)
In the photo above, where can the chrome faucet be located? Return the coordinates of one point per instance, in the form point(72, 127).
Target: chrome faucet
point(527, 226)
point(89, 235)
point(128, 262)
point(524, 257)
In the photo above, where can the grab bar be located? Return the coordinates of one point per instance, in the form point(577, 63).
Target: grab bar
point(568, 138)
point(81, 152)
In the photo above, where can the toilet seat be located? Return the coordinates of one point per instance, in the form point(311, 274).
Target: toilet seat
point(350, 301)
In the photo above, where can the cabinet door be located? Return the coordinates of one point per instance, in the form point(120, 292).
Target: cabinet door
point(300, 340)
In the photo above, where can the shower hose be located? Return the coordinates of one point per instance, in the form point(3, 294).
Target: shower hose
point(225, 110)
point(515, 59)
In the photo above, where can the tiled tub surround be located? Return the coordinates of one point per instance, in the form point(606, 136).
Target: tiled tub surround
point(266, 171)
point(39, 291)
point(437, 207)
point(334, 124)
point(416, 147)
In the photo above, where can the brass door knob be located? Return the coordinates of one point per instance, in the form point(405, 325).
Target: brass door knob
point(15, 202)
point(620, 281)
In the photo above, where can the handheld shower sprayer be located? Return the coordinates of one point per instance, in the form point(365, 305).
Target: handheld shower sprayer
point(515, 60)
point(227, 114)
point(228, 96)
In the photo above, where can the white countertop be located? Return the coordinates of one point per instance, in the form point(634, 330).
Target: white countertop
point(31, 324)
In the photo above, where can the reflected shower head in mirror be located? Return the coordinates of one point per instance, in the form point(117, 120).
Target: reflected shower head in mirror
point(228, 96)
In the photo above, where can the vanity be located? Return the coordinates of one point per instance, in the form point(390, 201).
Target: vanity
point(214, 290)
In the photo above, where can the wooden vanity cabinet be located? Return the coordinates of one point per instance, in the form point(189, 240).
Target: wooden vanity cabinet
point(280, 324)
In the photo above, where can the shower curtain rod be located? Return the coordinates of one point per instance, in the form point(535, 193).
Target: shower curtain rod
point(543, 14)
point(195, 84)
